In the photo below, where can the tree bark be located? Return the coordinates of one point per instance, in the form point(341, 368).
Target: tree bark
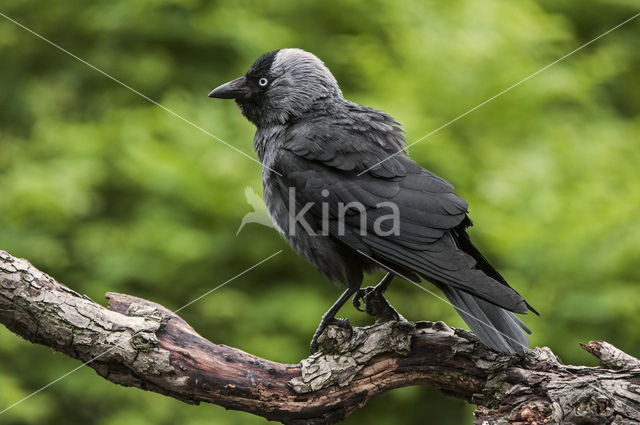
point(135, 342)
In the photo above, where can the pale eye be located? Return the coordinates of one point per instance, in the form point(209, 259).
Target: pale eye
point(263, 82)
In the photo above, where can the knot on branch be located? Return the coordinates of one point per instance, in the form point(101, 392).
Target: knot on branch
point(346, 351)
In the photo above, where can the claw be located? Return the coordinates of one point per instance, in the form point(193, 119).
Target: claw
point(356, 300)
point(313, 347)
point(343, 323)
point(360, 295)
point(329, 317)
point(377, 305)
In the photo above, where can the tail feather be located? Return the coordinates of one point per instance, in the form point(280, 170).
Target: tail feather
point(496, 327)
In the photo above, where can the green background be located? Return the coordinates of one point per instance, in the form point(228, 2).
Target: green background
point(108, 192)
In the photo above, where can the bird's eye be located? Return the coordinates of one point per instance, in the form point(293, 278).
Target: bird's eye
point(263, 82)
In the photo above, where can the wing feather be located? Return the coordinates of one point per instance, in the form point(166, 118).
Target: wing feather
point(324, 166)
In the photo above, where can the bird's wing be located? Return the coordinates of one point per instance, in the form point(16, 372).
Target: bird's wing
point(340, 144)
point(324, 171)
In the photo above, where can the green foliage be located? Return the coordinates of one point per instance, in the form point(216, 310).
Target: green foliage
point(108, 192)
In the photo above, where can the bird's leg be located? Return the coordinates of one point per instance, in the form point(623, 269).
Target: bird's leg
point(375, 304)
point(329, 318)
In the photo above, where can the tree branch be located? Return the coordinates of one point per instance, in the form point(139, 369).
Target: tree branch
point(135, 342)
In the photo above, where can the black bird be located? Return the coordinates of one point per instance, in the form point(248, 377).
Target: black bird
point(347, 204)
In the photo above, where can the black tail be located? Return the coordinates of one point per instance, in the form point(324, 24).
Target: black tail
point(496, 327)
point(463, 241)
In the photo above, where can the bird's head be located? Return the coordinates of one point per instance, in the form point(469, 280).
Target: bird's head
point(279, 86)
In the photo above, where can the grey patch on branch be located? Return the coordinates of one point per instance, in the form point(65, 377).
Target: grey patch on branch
point(43, 311)
point(346, 351)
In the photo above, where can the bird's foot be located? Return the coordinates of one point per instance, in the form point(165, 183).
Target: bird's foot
point(343, 323)
point(360, 294)
point(376, 305)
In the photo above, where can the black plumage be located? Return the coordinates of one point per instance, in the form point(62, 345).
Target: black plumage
point(321, 150)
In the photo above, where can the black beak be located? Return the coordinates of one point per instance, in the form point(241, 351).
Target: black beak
point(231, 90)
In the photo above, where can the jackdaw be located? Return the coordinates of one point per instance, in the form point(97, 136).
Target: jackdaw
point(348, 205)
